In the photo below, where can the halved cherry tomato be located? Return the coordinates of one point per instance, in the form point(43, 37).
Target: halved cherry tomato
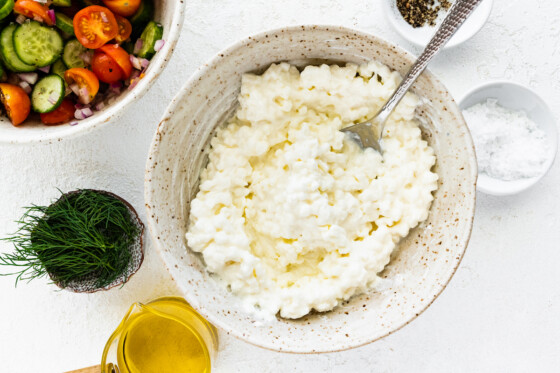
point(62, 114)
point(84, 79)
point(121, 57)
point(95, 26)
point(106, 68)
point(125, 29)
point(124, 8)
point(33, 9)
point(16, 102)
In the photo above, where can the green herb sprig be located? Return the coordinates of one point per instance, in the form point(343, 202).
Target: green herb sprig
point(85, 234)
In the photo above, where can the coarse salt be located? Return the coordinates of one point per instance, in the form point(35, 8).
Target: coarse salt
point(509, 145)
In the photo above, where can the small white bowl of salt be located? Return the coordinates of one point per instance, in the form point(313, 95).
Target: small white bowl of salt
point(515, 136)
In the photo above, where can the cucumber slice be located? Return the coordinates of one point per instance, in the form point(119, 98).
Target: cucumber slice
point(64, 3)
point(9, 56)
point(59, 68)
point(64, 23)
point(152, 33)
point(72, 54)
point(141, 18)
point(6, 7)
point(48, 94)
point(36, 44)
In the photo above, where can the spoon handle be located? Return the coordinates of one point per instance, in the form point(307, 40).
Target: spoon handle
point(457, 15)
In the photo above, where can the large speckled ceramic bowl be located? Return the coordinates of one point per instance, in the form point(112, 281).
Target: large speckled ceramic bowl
point(167, 12)
point(422, 265)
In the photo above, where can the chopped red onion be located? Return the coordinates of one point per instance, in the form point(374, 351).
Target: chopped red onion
point(75, 88)
point(99, 106)
point(73, 123)
point(79, 115)
point(159, 44)
point(111, 100)
point(114, 92)
point(52, 16)
point(83, 113)
point(116, 87)
point(45, 69)
point(135, 62)
point(144, 63)
point(87, 57)
point(53, 99)
point(20, 18)
point(138, 45)
point(38, 19)
point(133, 83)
point(83, 96)
point(30, 78)
point(133, 80)
point(86, 100)
point(25, 86)
point(135, 74)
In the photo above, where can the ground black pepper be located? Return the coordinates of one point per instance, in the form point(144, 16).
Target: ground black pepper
point(421, 12)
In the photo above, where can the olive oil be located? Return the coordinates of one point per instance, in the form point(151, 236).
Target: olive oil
point(164, 336)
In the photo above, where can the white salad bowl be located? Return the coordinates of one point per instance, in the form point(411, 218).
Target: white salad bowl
point(515, 96)
point(420, 268)
point(169, 13)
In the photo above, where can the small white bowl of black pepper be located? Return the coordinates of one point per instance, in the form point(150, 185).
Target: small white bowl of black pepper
point(418, 20)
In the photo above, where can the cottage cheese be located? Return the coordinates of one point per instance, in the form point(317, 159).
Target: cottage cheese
point(292, 214)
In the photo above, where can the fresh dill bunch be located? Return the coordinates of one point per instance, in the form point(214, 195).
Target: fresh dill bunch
point(84, 235)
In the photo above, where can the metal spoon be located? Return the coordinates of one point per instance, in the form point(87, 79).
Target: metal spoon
point(368, 134)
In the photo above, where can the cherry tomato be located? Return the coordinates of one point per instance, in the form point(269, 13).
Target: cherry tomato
point(16, 102)
point(124, 8)
point(33, 9)
point(84, 79)
point(106, 68)
point(62, 114)
point(121, 57)
point(95, 26)
point(125, 29)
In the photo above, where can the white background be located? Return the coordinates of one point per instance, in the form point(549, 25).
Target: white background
point(501, 311)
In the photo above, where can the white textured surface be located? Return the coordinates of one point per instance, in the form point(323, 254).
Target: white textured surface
point(499, 313)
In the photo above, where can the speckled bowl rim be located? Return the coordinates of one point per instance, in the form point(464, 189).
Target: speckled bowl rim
point(154, 149)
point(115, 111)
